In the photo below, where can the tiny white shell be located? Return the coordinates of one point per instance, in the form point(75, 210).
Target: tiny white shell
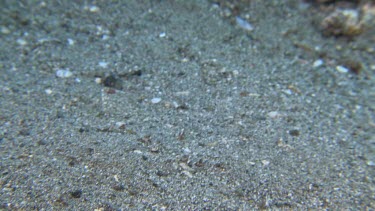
point(244, 24)
point(155, 100)
point(64, 73)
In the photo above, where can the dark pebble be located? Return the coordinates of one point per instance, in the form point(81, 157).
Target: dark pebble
point(76, 194)
point(294, 132)
point(118, 187)
point(113, 82)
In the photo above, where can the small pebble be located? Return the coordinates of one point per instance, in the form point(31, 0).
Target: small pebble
point(76, 193)
point(5, 30)
point(120, 125)
point(98, 80)
point(48, 91)
point(105, 37)
point(92, 8)
point(274, 114)
point(119, 187)
point(21, 42)
point(244, 24)
point(265, 162)
point(163, 34)
point(138, 151)
point(155, 100)
point(183, 93)
point(294, 132)
point(188, 174)
point(103, 64)
point(116, 177)
point(318, 63)
point(342, 69)
point(187, 151)
point(288, 91)
point(71, 41)
point(64, 73)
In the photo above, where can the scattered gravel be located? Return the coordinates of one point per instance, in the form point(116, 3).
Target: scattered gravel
point(181, 105)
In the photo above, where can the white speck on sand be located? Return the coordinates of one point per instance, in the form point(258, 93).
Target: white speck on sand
point(155, 100)
point(64, 73)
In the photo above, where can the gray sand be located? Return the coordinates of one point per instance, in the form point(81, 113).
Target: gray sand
point(172, 106)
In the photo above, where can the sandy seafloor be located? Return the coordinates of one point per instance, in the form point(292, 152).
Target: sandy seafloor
point(196, 113)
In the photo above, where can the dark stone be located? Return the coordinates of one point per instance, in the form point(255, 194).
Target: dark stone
point(294, 132)
point(76, 194)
